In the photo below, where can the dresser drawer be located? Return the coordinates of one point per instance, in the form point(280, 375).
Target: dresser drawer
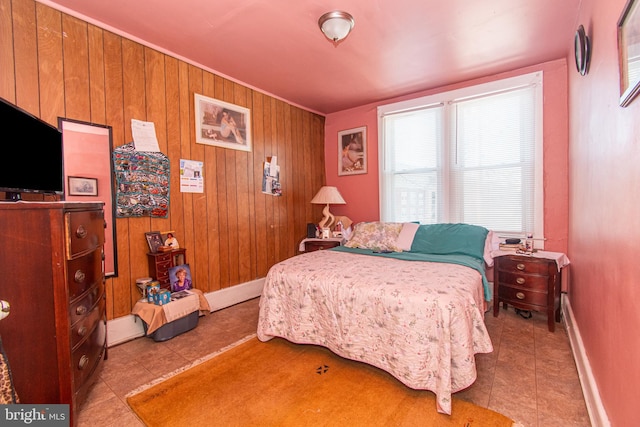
point(81, 308)
point(85, 232)
point(523, 296)
point(530, 265)
point(163, 258)
point(524, 281)
point(88, 355)
point(84, 272)
point(87, 324)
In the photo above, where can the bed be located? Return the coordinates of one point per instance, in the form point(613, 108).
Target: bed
point(406, 298)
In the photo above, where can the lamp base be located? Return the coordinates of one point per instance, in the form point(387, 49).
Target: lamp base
point(328, 218)
point(326, 233)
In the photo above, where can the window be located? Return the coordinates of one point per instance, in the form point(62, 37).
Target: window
point(472, 155)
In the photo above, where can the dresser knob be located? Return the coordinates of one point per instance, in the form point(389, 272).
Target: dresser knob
point(520, 295)
point(80, 310)
point(520, 267)
point(81, 232)
point(79, 276)
point(520, 281)
point(84, 361)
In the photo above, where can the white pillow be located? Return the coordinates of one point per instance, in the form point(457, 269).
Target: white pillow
point(405, 238)
point(491, 244)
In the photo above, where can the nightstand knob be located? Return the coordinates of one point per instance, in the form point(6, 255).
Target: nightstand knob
point(520, 281)
point(520, 295)
point(520, 267)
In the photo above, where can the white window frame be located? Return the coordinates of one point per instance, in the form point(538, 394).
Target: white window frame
point(535, 79)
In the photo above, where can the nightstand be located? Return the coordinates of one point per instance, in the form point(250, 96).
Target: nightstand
point(311, 244)
point(161, 262)
point(527, 283)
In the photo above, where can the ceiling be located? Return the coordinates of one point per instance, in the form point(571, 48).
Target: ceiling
point(397, 47)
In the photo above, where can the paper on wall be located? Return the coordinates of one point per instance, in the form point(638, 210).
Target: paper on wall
point(191, 176)
point(144, 136)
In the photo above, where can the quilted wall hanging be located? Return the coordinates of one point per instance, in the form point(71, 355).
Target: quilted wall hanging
point(142, 180)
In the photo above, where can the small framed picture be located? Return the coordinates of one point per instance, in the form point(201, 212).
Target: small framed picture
point(79, 186)
point(154, 239)
point(169, 239)
point(352, 151)
point(180, 278)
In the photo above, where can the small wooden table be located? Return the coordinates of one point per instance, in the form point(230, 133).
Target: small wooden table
point(528, 283)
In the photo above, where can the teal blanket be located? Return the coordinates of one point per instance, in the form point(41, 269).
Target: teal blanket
point(461, 259)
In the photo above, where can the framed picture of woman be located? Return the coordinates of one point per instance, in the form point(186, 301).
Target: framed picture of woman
point(222, 124)
point(180, 278)
point(352, 151)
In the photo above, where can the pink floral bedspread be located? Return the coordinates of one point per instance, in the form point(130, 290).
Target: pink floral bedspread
point(420, 321)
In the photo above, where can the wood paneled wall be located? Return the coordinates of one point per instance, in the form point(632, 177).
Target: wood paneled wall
point(55, 65)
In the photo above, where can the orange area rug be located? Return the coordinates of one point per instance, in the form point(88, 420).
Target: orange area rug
point(278, 383)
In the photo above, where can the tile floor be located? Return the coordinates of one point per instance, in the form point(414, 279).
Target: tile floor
point(530, 377)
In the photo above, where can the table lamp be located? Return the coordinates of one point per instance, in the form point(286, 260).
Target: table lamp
point(327, 196)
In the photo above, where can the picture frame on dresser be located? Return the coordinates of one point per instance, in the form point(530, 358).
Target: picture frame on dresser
point(154, 240)
point(87, 149)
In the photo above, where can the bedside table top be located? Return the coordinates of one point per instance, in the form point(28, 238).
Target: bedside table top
point(560, 258)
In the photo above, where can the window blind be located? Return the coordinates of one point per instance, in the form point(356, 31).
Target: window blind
point(471, 157)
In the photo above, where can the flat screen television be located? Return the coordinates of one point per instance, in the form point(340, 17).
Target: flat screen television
point(30, 154)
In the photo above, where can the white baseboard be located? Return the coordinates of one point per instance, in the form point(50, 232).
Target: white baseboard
point(596, 410)
point(126, 328)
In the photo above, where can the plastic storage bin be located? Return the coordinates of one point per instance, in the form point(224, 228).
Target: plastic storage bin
point(172, 329)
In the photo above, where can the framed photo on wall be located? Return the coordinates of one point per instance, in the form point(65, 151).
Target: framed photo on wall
point(222, 124)
point(352, 151)
point(79, 186)
point(629, 52)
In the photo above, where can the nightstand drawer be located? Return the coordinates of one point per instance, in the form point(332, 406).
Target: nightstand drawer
point(523, 296)
point(528, 265)
point(524, 281)
point(320, 245)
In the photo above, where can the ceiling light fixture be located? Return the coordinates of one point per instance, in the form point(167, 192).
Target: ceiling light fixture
point(336, 25)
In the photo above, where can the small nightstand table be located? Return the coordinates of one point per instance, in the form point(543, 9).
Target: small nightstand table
point(313, 244)
point(529, 282)
point(161, 262)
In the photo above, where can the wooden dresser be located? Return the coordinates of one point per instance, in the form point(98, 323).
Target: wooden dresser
point(527, 283)
point(52, 263)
